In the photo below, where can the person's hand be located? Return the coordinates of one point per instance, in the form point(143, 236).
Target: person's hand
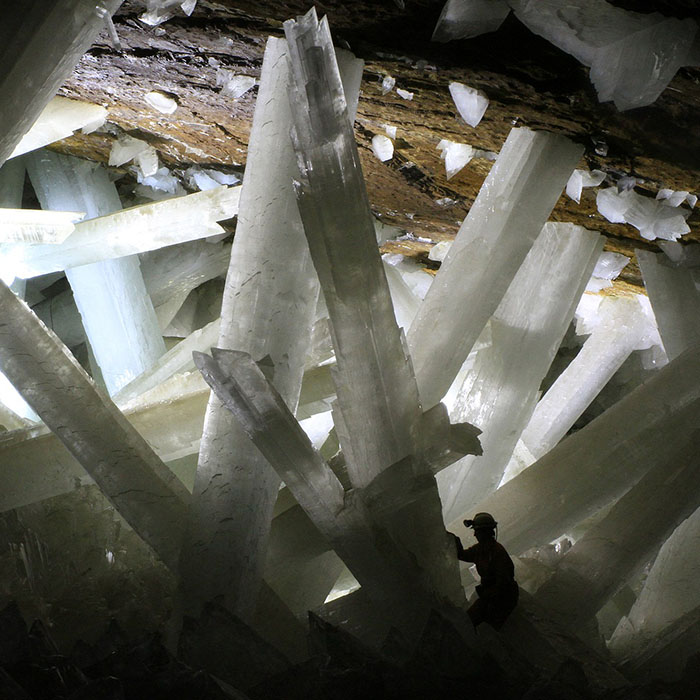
point(458, 543)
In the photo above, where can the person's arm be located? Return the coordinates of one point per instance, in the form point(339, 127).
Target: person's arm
point(468, 555)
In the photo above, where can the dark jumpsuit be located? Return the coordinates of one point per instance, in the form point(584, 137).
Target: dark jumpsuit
point(498, 591)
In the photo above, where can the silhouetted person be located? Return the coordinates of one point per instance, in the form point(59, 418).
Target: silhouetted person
point(498, 591)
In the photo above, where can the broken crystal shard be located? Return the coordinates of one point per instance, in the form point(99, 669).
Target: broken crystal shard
point(439, 251)
point(675, 300)
point(207, 179)
point(36, 226)
point(650, 216)
point(382, 147)
point(455, 155)
point(60, 118)
point(464, 19)
point(376, 427)
point(160, 101)
point(39, 47)
point(621, 329)
point(117, 312)
point(471, 103)
point(268, 309)
point(159, 11)
point(388, 84)
point(580, 179)
point(674, 199)
point(628, 536)
point(508, 214)
point(632, 56)
point(233, 85)
point(500, 391)
point(390, 131)
point(127, 148)
point(138, 484)
point(163, 181)
point(404, 301)
point(404, 94)
point(607, 268)
point(130, 231)
point(600, 462)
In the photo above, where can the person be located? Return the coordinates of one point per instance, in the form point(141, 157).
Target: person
point(498, 590)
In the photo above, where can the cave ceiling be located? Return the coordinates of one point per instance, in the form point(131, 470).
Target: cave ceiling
point(528, 81)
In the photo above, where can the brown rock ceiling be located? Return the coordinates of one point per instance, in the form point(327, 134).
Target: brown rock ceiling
point(529, 83)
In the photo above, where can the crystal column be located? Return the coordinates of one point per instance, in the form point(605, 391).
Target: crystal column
point(117, 312)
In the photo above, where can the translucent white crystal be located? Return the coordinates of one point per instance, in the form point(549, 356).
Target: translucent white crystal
point(38, 52)
point(375, 429)
point(60, 118)
point(404, 300)
point(404, 94)
point(163, 103)
point(127, 148)
point(455, 155)
point(159, 11)
point(632, 56)
point(388, 83)
point(675, 300)
point(597, 464)
point(131, 231)
point(673, 198)
point(268, 309)
point(117, 312)
point(627, 537)
point(494, 239)
point(36, 226)
point(670, 591)
point(463, 19)
point(138, 484)
point(390, 131)
point(439, 251)
point(34, 466)
point(382, 147)
point(163, 180)
point(412, 273)
point(608, 267)
point(233, 85)
point(471, 103)
point(617, 326)
point(580, 179)
point(500, 391)
point(650, 216)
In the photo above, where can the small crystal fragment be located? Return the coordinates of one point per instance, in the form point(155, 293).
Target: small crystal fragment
point(382, 147)
point(471, 103)
point(464, 19)
point(607, 268)
point(390, 131)
point(161, 102)
point(650, 216)
point(580, 179)
point(404, 94)
point(439, 251)
point(388, 84)
point(127, 148)
point(455, 155)
point(233, 85)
